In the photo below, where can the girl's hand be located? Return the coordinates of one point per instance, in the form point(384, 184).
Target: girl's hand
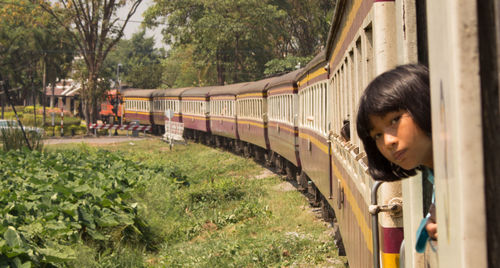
point(431, 228)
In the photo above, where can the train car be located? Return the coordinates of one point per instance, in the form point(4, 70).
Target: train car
point(163, 100)
point(139, 106)
point(362, 43)
point(195, 107)
point(314, 148)
point(251, 104)
point(282, 102)
point(459, 42)
point(223, 114)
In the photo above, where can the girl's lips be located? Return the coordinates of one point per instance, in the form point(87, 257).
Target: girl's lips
point(398, 156)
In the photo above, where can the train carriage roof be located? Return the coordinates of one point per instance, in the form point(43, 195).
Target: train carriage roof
point(289, 78)
point(135, 92)
point(337, 16)
point(319, 59)
point(197, 91)
point(256, 87)
point(170, 92)
point(231, 89)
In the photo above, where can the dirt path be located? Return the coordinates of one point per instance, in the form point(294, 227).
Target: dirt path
point(93, 140)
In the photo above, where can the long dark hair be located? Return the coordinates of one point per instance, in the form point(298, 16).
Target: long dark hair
point(404, 88)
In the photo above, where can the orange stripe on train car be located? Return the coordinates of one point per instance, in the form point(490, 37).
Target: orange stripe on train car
point(390, 260)
point(311, 76)
point(261, 125)
point(356, 210)
point(294, 131)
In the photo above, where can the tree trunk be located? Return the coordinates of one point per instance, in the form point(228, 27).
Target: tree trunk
point(2, 100)
point(220, 70)
point(34, 93)
point(44, 94)
point(236, 60)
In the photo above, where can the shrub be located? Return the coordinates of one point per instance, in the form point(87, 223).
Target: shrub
point(13, 139)
point(28, 109)
point(67, 199)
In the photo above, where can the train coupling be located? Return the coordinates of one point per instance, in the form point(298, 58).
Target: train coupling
point(395, 206)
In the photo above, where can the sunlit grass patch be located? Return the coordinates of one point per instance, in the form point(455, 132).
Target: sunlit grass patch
point(204, 208)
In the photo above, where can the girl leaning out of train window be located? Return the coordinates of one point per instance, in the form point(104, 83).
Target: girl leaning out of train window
point(394, 124)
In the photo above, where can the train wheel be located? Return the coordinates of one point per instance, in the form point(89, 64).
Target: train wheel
point(291, 171)
point(246, 151)
point(302, 182)
point(257, 155)
point(327, 211)
point(314, 195)
point(337, 239)
point(267, 157)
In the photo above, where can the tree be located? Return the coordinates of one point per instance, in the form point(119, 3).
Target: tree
point(305, 27)
point(287, 64)
point(96, 30)
point(235, 36)
point(180, 69)
point(141, 62)
point(239, 37)
point(34, 49)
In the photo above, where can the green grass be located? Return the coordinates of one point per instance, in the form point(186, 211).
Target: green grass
point(206, 208)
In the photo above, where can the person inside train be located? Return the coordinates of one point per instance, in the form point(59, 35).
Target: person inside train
point(394, 125)
point(345, 131)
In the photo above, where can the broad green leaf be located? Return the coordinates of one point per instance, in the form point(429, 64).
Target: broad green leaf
point(96, 235)
point(12, 237)
point(57, 255)
point(107, 221)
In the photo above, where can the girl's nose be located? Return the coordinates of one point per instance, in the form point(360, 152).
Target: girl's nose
point(390, 140)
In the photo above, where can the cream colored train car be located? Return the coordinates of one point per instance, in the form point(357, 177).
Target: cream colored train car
point(459, 41)
point(362, 44)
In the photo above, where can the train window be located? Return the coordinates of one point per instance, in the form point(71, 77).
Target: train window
point(368, 54)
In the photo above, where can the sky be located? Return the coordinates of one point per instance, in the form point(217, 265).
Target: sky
point(134, 24)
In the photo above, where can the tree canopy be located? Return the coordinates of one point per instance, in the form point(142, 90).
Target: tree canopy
point(96, 28)
point(32, 46)
point(238, 37)
point(140, 62)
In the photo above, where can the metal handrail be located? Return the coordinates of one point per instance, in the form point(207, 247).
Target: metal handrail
point(374, 210)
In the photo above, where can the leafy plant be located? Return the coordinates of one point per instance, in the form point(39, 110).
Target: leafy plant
point(13, 139)
point(51, 201)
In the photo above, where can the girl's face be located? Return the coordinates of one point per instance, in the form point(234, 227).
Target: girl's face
point(401, 140)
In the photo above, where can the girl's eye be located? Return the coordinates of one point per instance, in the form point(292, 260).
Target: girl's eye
point(377, 136)
point(395, 120)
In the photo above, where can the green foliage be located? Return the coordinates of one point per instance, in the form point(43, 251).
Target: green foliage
point(182, 70)
point(233, 40)
point(13, 139)
point(51, 201)
point(140, 62)
point(204, 208)
point(231, 36)
point(29, 109)
point(30, 41)
point(287, 64)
